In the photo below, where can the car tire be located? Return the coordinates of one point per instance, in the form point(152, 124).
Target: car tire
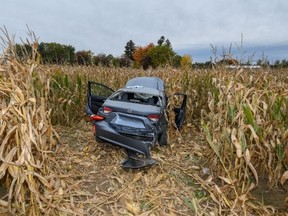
point(163, 138)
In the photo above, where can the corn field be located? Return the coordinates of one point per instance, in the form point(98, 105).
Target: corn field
point(234, 139)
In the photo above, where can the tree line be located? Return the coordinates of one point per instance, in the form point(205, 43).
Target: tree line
point(151, 55)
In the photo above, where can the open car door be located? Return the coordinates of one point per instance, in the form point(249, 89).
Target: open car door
point(97, 93)
point(180, 109)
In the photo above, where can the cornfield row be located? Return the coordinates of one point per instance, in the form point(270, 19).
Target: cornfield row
point(247, 126)
point(33, 179)
point(243, 115)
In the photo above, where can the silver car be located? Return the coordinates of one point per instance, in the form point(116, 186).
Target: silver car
point(133, 117)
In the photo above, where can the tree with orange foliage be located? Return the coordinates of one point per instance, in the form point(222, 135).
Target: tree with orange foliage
point(141, 52)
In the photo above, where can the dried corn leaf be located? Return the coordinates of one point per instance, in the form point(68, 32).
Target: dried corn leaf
point(284, 177)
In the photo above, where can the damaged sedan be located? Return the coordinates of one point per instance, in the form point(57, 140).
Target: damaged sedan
point(133, 117)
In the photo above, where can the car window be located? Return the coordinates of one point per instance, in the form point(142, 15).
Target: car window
point(136, 97)
point(100, 90)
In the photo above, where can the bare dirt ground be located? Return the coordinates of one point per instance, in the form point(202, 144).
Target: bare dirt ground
point(167, 188)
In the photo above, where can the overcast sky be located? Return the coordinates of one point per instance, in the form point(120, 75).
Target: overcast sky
point(105, 26)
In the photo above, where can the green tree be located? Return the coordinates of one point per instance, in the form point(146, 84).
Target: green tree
point(103, 60)
point(57, 53)
point(109, 60)
point(155, 56)
point(146, 62)
point(176, 61)
point(84, 57)
point(161, 55)
point(23, 51)
point(284, 63)
point(129, 49)
point(116, 62)
point(168, 43)
point(161, 41)
point(125, 61)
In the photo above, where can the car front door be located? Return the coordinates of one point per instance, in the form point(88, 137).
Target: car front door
point(180, 109)
point(97, 93)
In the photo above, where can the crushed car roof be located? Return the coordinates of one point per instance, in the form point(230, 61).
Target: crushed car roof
point(141, 89)
point(148, 82)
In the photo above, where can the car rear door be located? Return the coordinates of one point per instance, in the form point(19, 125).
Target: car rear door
point(97, 93)
point(180, 109)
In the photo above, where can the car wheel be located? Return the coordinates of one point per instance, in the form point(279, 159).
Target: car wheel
point(163, 138)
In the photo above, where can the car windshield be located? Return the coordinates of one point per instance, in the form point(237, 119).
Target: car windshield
point(137, 97)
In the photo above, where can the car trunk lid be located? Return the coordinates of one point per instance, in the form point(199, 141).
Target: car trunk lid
point(137, 127)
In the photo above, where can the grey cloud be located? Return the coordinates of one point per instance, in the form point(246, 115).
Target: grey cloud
point(106, 25)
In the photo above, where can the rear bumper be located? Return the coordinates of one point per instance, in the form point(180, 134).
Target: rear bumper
point(105, 132)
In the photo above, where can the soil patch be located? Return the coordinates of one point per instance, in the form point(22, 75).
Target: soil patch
point(277, 198)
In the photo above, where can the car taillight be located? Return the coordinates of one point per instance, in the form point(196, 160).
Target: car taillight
point(153, 117)
point(96, 118)
point(107, 110)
